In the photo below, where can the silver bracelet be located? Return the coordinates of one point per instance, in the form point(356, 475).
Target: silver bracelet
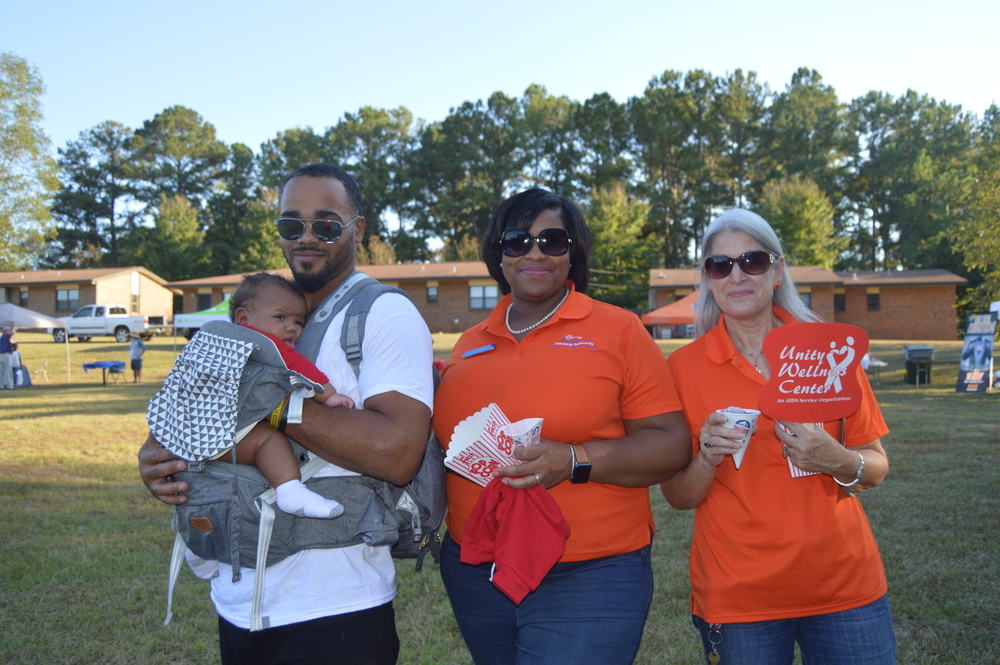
point(857, 476)
point(572, 466)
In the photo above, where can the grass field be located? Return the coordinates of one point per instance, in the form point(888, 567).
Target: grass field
point(84, 548)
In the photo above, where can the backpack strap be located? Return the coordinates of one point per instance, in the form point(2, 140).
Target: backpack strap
point(351, 338)
point(266, 506)
point(318, 323)
point(352, 333)
point(176, 559)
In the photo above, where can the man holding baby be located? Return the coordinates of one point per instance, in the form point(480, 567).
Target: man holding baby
point(330, 605)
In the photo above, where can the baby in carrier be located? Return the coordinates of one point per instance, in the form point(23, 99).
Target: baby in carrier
point(274, 307)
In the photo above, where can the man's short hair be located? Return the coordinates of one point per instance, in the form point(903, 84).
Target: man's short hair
point(321, 170)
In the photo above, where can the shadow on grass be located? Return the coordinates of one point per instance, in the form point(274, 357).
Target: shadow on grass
point(78, 399)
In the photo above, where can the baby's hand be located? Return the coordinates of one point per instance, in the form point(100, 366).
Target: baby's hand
point(340, 401)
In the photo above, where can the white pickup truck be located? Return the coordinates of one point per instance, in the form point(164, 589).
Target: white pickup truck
point(102, 320)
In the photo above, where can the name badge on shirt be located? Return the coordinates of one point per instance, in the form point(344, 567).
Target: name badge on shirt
point(476, 352)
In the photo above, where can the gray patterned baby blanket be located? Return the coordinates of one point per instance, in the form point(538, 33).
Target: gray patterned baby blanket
point(227, 379)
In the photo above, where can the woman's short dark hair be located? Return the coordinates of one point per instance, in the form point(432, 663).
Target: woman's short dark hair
point(253, 285)
point(520, 212)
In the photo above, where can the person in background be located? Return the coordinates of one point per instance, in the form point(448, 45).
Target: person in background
point(20, 373)
point(612, 427)
point(775, 559)
point(6, 366)
point(136, 350)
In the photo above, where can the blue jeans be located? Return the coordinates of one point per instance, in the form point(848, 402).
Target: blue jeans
point(582, 612)
point(862, 636)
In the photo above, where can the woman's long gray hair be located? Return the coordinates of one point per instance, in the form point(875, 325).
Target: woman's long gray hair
point(738, 219)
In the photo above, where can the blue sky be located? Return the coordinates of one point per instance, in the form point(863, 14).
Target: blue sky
point(254, 69)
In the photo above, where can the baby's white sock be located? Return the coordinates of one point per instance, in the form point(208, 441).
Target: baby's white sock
point(295, 498)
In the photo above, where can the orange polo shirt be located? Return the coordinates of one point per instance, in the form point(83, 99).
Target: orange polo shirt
point(588, 368)
point(766, 545)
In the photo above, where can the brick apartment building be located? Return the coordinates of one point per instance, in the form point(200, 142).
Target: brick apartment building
point(895, 304)
point(899, 304)
point(62, 292)
point(451, 297)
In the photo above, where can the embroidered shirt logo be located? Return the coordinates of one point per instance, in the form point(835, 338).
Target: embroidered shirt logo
point(574, 341)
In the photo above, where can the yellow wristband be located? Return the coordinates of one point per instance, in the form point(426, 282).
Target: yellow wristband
point(276, 421)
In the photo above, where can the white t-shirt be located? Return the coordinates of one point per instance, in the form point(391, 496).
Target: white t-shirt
point(311, 584)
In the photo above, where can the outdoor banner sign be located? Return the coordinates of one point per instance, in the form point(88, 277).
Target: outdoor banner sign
point(814, 372)
point(975, 369)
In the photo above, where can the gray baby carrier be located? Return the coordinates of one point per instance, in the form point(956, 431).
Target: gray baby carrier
point(230, 516)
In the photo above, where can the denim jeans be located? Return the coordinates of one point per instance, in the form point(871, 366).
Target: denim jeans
point(861, 636)
point(582, 612)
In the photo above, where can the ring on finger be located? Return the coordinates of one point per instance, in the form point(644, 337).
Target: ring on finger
point(537, 479)
point(708, 442)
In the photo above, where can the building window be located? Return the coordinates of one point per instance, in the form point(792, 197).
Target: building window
point(807, 299)
point(839, 302)
point(432, 295)
point(3, 296)
point(873, 302)
point(23, 299)
point(204, 301)
point(67, 300)
point(135, 293)
point(483, 297)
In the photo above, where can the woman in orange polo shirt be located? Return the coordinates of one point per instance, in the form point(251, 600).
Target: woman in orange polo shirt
point(601, 384)
point(775, 559)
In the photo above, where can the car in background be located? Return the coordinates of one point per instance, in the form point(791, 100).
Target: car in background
point(104, 320)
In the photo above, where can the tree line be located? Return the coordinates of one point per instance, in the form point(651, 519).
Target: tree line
point(877, 182)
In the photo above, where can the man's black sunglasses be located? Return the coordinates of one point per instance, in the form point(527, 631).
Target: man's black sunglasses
point(325, 230)
point(554, 242)
point(754, 262)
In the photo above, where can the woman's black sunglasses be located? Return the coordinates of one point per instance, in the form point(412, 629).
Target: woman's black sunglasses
point(325, 230)
point(554, 242)
point(755, 262)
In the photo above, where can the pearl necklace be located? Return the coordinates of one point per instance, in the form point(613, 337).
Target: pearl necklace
point(537, 323)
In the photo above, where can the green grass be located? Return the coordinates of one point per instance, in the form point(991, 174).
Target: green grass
point(84, 548)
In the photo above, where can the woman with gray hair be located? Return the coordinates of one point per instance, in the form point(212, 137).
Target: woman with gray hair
point(782, 553)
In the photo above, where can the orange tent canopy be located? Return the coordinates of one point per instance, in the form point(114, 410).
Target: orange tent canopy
point(674, 314)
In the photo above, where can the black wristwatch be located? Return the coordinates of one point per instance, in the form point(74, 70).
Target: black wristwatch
point(581, 465)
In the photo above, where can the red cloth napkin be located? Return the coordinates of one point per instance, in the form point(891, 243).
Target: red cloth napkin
point(521, 530)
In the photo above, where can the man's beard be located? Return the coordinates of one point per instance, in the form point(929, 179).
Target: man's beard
point(313, 281)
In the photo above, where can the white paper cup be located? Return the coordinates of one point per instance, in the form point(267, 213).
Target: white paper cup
point(525, 432)
point(743, 421)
